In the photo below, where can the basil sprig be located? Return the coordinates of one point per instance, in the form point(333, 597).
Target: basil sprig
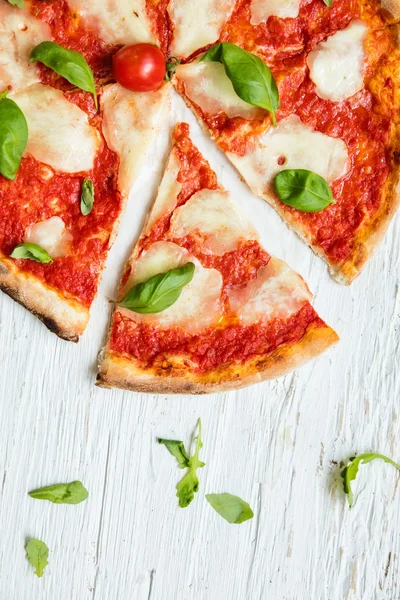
point(159, 292)
point(328, 2)
point(18, 3)
point(87, 197)
point(252, 80)
point(232, 508)
point(13, 136)
point(68, 64)
point(304, 190)
point(32, 252)
point(38, 555)
point(177, 449)
point(349, 473)
point(62, 493)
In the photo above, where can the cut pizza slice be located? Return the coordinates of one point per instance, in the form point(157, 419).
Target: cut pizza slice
point(202, 306)
point(335, 104)
point(60, 206)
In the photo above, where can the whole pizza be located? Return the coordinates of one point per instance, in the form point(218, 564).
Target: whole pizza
point(303, 98)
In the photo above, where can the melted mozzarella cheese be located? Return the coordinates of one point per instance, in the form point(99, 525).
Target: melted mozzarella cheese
point(291, 145)
point(19, 33)
point(337, 65)
point(156, 259)
point(213, 215)
point(50, 235)
point(276, 293)
point(261, 10)
point(197, 24)
point(208, 86)
point(168, 191)
point(199, 305)
point(130, 123)
point(59, 131)
point(116, 21)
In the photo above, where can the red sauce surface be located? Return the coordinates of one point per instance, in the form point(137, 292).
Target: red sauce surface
point(229, 341)
point(29, 199)
point(213, 348)
point(363, 121)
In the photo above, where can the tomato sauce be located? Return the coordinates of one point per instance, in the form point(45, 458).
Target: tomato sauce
point(229, 341)
point(364, 121)
point(211, 349)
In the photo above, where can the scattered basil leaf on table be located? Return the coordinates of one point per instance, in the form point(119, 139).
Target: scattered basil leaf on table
point(159, 292)
point(13, 136)
point(304, 190)
point(349, 473)
point(252, 80)
point(87, 197)
point(32, 252)
point(62, 493)
point(232, 508)
point(69, 64)
point(177, 449)
point(38, 554)
point(18, 3)
point(189, 485)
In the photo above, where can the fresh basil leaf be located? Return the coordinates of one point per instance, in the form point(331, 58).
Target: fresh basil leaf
point(159, 292)
point(328, 2)
point(232, 508)
point(304, 190)
point(69, 64)
point(349, 473)
point(13, 136)
point(38, 555)
point(87, 196)
point(170, 67)
point(62, 493)
point(189, 485)
point(18, 3)
point(177, 449)
point(252, 80)
point(32, 252)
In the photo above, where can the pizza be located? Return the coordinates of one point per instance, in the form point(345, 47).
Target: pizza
point(242, 316)
point(302, 96)
point(336, 70)
point(69, 142)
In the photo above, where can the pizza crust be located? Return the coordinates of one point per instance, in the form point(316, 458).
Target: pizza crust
point(65, 318)
point(118, 371)
point(391, 10)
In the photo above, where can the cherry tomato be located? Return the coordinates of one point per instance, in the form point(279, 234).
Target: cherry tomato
point(140, 67)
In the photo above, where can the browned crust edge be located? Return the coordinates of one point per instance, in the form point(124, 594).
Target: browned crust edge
point(118, 371)
point(67, 319)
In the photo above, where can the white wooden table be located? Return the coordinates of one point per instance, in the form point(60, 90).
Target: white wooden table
point(276, 445)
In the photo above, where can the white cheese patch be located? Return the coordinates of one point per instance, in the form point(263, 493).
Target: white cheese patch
point(20, 32)
point(199, 305)
point(130, 123)
point(168, 191)
point(291, 145)
point(208, 86)
point(116, 21)
point(261, 10)
point(276, 293)
point(159, 258)
point(337, 64)
point(197, 24)
point(218, 220)
point(59, 131)
point(50, 235)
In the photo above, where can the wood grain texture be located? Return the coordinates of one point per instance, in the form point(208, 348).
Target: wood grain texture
point(276, 445)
